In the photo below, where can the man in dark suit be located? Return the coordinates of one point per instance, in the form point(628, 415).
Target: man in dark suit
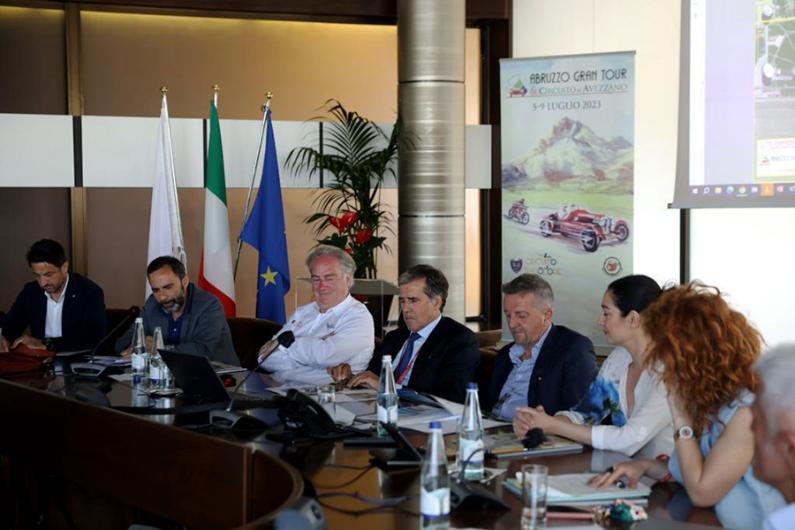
point(547, 365)
point(432, 353)
point(63, 311)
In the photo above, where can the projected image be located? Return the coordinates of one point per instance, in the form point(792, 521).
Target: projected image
point(774, 83)
point(741, 94)
point(775, 45)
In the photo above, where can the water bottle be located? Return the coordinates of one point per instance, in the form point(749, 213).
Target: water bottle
point(470, 436)
point(139, 355)
point(387, 397)
point(434, 482)
point(156, 364)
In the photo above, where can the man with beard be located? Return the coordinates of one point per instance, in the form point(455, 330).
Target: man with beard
point(191, 319)
point(62, 311)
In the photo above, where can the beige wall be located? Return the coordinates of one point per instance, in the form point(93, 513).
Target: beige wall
point(32, 61)
point(127, 57)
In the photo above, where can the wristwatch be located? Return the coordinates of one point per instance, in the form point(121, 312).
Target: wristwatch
point(684, 432)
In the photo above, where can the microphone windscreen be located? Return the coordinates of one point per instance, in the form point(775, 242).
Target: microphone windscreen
point(534, 438)
point(286, 339)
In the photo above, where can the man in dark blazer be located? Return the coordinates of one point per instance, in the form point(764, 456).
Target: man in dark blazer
point(547, 364)
point(62, 311)
point(190, 318)
point(432, 353)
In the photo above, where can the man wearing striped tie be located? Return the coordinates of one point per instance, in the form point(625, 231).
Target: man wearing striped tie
point(432, 353)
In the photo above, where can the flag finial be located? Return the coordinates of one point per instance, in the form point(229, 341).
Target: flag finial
point(163, 89)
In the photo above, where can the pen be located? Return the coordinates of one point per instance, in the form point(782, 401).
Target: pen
point(581, 516)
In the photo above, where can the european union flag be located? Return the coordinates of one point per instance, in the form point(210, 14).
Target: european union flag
point(264, 230)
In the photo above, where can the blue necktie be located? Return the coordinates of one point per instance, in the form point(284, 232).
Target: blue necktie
point(408, 349)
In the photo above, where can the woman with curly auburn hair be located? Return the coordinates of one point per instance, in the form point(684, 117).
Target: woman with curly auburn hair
point(706, 351)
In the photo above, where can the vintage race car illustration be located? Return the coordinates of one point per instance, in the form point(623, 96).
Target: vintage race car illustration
point(591, 228)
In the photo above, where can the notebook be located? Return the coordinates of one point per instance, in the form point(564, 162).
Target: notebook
point(573, 489)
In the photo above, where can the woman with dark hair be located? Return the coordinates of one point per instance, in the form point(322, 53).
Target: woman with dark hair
point(625, 409)
point(705, 352)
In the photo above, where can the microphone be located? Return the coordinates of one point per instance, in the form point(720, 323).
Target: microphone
point(89, 369)
point(285, 339)
point(469, 496)
point(230, 420)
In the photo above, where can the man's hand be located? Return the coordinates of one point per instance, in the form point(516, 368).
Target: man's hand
point(366, 379)
point(150, 343)
point(340, 373)
point(30, 342)
point(266, 350)
point(3, 344)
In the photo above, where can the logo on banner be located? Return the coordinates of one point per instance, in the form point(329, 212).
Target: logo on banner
point(612, 266)
point(516, 264)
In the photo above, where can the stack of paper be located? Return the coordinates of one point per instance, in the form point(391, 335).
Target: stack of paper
point(574, 490)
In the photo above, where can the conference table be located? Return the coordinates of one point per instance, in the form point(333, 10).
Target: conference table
point(111, 467)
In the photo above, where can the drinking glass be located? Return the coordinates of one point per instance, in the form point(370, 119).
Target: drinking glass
point(534, 496)
point(326, 398)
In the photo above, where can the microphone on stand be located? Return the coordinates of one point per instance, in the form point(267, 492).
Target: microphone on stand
point(286, 339)
point(90, 368)
point(229, 419)
point(472, 496)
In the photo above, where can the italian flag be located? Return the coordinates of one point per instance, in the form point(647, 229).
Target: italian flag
point(215, 271)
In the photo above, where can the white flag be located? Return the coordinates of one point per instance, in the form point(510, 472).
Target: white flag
point(165, 227)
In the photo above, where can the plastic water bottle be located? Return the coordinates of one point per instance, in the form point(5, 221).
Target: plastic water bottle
point(139, 359)
point(470, 436)
point(434, 482)
point(156, 364)
point(387, 397)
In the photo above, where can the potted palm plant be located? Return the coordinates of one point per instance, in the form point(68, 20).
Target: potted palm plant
point(354, 157)
point(357, 154)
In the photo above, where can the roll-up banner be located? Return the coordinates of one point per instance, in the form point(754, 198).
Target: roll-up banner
point(568, 136)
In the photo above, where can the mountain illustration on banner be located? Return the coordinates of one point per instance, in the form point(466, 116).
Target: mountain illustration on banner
point(573, 157)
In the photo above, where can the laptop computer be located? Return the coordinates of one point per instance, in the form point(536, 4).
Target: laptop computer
point(200, 385)
point(196, 377)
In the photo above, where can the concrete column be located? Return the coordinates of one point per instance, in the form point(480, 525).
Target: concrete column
point(431, 103)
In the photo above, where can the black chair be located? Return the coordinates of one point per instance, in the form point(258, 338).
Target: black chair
point(114, 317)
point(248, 336)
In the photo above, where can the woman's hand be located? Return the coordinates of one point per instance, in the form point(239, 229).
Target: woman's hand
point(528, 418)
point(631, 469)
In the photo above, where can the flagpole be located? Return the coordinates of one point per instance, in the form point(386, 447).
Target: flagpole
point(265, 109)
point(183, 257)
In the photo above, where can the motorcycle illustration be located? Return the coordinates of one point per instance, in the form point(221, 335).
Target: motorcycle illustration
point(518, 212)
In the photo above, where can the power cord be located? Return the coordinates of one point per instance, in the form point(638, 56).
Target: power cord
point(359, 475)
point(378, 504)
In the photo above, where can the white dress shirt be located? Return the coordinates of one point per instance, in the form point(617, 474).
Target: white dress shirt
point(781, 519)
point(52, 326)
point(424, 333)
point(342, 334)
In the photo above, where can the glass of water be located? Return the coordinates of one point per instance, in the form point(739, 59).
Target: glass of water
point(326, 398)
point(534, 496)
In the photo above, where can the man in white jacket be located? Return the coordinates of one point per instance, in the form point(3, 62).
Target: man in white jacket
point(332, 330)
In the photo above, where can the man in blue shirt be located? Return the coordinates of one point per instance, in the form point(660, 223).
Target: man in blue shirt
point(547, 364)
